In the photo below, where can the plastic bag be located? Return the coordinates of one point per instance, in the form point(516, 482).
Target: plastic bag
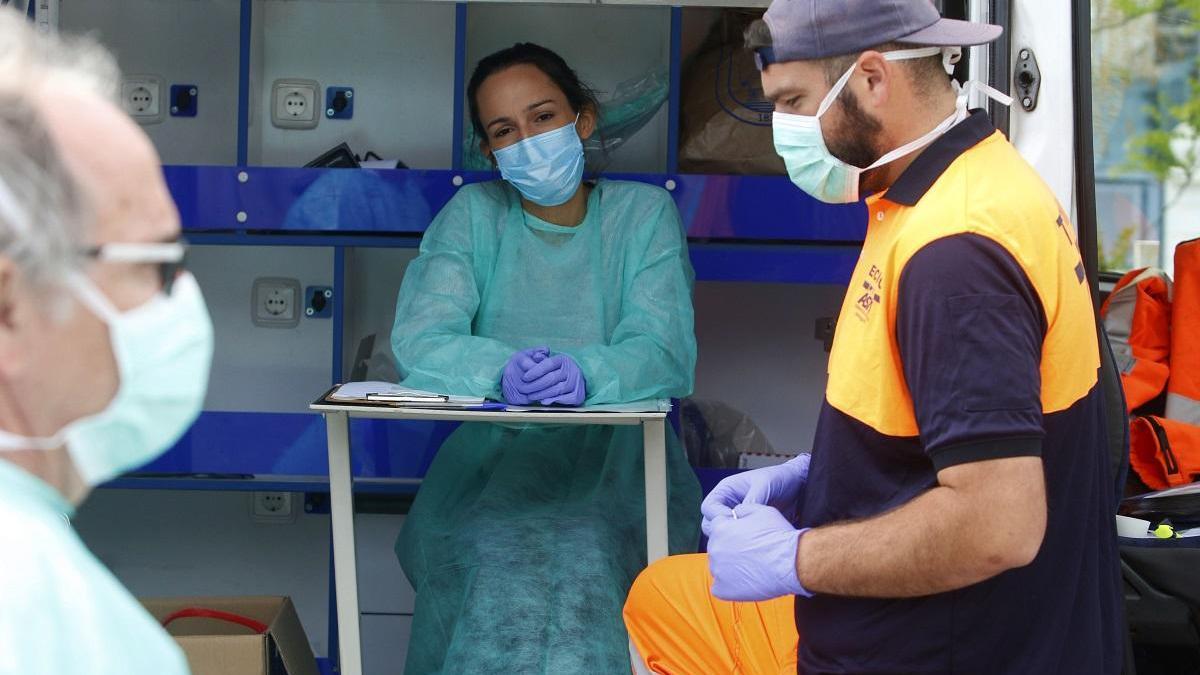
point(716, 434)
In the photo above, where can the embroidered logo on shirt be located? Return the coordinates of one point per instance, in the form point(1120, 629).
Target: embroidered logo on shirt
point(871, 289)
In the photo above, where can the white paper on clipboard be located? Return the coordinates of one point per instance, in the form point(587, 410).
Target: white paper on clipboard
point(359, 391)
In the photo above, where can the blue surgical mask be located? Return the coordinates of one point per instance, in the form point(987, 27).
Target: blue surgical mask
point(800, 141)
point(548, 168)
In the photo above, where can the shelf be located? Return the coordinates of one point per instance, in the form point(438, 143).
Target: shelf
point(742, 228)
point(312, 484)
point(261, 200)
point(786, 264)
point(283, 452)
point(237, 448)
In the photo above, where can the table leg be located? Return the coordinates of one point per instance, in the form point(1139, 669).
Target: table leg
point(341, 510)
point(655, 446)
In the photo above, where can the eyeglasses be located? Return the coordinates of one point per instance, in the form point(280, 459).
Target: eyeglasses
point(170, 257)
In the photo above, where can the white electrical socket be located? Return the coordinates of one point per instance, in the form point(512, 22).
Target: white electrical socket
point(273, 507)
point(275, 302)
point(141, 97)
point(294, 104)
point(279, 303)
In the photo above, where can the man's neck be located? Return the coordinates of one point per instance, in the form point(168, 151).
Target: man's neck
point(909, 129)
point(54, 467)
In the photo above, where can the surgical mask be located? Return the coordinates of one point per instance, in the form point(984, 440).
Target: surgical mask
point(800, 141)
point(547, 168)
point(163, 351)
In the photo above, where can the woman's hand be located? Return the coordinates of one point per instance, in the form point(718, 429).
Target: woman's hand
point(519, 364)
point(556, 379)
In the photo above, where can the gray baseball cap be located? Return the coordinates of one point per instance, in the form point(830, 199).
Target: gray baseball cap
point(815, 29)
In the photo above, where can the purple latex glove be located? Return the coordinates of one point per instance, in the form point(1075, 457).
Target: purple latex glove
point(752, 555)
point(557, 379)
point(780, 486)
point(518, 364)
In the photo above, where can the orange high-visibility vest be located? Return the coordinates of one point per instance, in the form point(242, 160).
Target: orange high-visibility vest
point(1165, 452)
point(1137, 317)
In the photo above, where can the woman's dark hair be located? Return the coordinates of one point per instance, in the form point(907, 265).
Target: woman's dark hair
point(578, 94)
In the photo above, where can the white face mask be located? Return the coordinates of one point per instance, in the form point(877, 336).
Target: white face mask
point(800, 141)
point(163, 351)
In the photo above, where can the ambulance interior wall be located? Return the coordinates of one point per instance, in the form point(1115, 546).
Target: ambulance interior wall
point(757, 350)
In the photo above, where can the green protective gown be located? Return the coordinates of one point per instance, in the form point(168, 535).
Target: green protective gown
point(61, 610)
point(523, 541)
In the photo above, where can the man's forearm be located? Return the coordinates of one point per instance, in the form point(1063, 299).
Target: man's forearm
point(938, 542)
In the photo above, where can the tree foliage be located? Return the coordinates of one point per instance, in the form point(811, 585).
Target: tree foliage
point(1165, 144)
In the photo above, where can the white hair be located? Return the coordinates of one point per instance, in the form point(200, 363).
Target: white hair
point(44, 215)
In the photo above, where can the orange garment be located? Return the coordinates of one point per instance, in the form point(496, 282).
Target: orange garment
point(679, 628)
point(1137, 316)
point(1183, 390)
point(1165, 452)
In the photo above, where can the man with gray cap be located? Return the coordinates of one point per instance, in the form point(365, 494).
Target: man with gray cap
point(956, 512)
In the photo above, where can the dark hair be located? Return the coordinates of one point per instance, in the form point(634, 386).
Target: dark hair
point(578, 94)
point(927, 73)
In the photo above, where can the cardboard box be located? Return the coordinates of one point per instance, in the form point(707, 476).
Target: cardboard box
point(217, 647)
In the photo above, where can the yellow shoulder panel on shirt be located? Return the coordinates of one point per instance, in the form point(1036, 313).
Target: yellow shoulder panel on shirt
point(989, 191)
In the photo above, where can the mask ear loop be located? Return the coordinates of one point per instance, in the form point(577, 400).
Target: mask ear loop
point(11, 211)
point(10, 442)
point(896, 55)
point(975, 86)
point(836, 91)
point(93, 298)
point(907, 54)
point(950, 58)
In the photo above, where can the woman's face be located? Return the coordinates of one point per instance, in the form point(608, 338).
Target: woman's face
point(520, 102)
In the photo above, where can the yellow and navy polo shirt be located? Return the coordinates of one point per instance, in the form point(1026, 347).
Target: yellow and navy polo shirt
point(968, 334)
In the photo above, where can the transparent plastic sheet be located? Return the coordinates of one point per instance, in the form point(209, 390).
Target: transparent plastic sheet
point(716, 434)
point(631, 106)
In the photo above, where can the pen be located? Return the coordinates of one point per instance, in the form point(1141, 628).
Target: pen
point(497, 407)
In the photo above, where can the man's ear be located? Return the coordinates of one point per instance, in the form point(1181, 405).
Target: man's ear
point(878, 78)
point(8, 291)
point(10, 356)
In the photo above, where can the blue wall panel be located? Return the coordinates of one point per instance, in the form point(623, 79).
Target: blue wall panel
point(347, 201)
point(246, 444)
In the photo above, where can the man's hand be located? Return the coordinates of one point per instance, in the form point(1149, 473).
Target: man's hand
point(780, 486)
point(752, 555)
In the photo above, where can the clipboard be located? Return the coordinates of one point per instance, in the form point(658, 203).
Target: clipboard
point(423, 403)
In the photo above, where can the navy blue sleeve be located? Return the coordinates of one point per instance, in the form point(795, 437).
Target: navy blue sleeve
point(970, 328)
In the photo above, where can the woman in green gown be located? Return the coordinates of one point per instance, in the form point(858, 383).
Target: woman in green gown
point(541, 288)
